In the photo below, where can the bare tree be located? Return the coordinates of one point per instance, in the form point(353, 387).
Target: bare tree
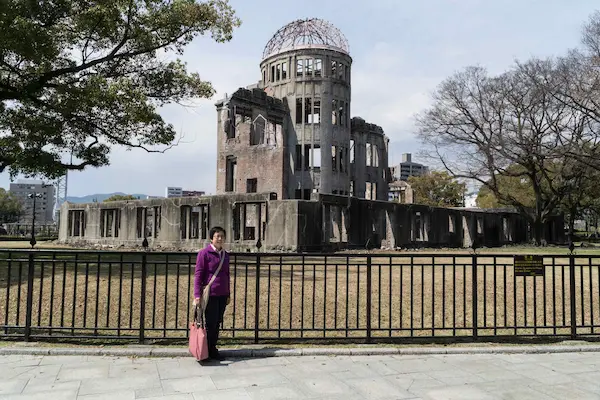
point(483, 128)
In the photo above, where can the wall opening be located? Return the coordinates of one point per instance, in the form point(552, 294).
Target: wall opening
point(194, 222)
point(315, 157)
point(257, 131)
point(314, 117)
point(300, 68)
point(334, 158)
point(110, 222)
point(76, 222)
point(334, 112)
point(298, 110)
point(318, 67)
point(307, 110)
point(230, 174)
point(251, 185)
point(309, 67)
point(452, 223)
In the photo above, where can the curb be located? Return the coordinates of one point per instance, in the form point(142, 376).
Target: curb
point(263, 353)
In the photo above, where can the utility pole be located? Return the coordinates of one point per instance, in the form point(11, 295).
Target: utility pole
point(33, 196)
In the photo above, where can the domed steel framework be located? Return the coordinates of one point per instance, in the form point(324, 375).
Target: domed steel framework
point(306, 33)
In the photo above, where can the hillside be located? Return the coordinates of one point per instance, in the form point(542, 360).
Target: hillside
point(99, 197)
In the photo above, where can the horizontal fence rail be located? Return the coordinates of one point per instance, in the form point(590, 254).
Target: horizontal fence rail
point(293, 297)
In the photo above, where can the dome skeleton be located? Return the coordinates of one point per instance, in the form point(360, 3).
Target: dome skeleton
point(308, 33)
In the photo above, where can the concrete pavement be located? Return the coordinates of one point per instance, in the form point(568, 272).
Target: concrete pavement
point(565, 375)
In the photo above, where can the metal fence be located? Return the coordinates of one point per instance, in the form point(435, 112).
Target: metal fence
point(292, 297)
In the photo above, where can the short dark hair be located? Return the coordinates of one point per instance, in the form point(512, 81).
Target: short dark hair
point(216, 229)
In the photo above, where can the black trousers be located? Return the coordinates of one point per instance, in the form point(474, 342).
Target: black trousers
point(215, 309)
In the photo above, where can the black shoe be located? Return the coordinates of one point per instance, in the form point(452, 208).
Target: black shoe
point(215, 355)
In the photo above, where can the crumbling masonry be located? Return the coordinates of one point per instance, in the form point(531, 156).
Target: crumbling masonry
point(295, 172)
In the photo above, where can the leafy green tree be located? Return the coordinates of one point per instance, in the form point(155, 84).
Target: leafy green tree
point(81, 76)
point(10, 207)
point(437, 189)
point(120, 197)
point(518, 187)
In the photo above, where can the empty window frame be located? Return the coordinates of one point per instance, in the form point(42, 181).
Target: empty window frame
point(318, 67)
point(315, 116)
point(340, 71)
point(273, 73)
point(352, 151)
point(309, 67)
point(148, 221)
point(251, 185)
point(110, 222)
point(369, 154)
point(229, 124)
point(452, 223)
point(334, 158)
point(315, 156)
point(278, 72)
point(375, 155)
point(284, 71)
point(257, 131)
point(230, 174)
point(334, 69)
point(300, 68)
point(298, 110)
point(334, 112)
point(194, 222)
point(77, 223)
point(341, 113)
point(307, 109)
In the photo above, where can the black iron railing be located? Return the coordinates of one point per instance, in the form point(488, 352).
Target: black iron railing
point(292, 297)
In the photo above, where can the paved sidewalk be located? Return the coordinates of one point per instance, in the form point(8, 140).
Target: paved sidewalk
point(465, 376)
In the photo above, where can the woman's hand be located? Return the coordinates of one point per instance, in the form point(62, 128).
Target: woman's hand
point(197, 301)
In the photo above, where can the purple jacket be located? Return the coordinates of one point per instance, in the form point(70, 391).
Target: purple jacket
point(206, 265)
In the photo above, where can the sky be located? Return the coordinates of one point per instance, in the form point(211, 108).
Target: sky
point(401, 50)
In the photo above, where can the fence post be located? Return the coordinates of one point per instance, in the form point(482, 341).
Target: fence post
point(572, 295)
point(369, 292)
point(475, 300)
point(143, 299)
point(257, 305)
point(28, 311)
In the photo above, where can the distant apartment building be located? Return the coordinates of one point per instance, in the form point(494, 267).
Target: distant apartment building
point(192, 193)
point(172, 191)
point(44, 202)
point(407, 168)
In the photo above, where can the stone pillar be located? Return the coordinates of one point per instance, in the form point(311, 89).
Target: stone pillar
point(326, 137)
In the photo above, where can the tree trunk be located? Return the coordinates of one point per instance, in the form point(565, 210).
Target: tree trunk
point(538, 228)
point(571, 226)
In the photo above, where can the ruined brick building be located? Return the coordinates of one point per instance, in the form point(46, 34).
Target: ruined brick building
point(295, 173)
point(291, 133)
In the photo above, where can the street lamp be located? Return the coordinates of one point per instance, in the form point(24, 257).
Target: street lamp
point(33, 196)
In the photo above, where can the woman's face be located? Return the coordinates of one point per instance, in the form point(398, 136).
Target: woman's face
point(218, 239)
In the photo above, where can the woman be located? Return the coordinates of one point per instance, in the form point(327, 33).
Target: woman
point(207, 263)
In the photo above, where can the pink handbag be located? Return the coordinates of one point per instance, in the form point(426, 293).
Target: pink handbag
point(198, 345)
